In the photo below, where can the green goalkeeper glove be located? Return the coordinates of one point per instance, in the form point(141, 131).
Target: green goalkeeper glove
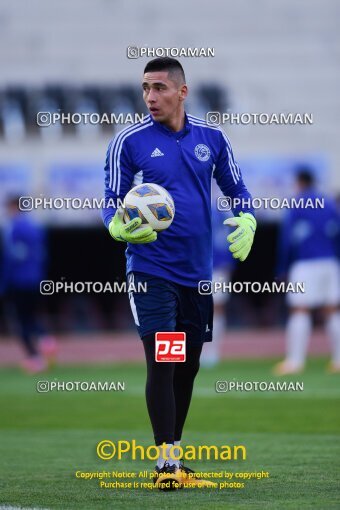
point(242, 238)
point(128, 232)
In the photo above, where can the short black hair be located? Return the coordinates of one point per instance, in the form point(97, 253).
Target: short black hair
point(166, 64)
point(305, 176)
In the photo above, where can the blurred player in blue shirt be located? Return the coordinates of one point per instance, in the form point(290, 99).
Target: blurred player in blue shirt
point(223, 265)
point(22, 269)
point(309, 250)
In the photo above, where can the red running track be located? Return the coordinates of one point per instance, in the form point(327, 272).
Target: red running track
point(125, 347)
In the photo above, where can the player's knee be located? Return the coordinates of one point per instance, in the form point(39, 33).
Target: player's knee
point(189, 369)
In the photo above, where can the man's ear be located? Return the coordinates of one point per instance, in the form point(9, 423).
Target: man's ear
point(183, 92)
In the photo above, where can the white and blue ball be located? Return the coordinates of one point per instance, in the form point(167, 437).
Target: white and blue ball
point(152, 203)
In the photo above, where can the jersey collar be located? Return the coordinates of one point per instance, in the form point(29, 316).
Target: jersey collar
point(176, 134)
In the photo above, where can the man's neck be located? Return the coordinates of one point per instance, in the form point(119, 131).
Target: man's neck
point(177, 123)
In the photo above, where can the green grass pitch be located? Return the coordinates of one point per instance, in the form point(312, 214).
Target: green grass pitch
point(46, 437)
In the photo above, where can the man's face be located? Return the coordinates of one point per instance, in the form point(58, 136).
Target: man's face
point(162, 96)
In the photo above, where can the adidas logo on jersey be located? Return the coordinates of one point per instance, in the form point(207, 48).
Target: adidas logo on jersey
point(157, 153)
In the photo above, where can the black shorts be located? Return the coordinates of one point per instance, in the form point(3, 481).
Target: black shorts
point(169, 306)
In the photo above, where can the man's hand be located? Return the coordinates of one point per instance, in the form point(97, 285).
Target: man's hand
point(242, 238)
point(128, 232)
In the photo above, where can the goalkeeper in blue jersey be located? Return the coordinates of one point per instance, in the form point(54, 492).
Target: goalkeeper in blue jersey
point(181, 153)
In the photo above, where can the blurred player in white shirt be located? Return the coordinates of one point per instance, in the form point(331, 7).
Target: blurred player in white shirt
point(309, 252)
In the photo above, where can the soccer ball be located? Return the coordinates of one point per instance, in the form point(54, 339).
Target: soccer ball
point(152, 203)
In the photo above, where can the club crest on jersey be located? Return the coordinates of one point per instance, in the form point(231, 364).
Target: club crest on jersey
point(202, 152)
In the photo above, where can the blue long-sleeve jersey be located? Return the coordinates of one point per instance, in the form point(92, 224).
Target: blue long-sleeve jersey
point(309, 233)
point(184, 165)
point(23, 254)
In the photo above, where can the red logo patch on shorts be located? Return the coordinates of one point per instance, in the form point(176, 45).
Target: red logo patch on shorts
point(170, 346)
